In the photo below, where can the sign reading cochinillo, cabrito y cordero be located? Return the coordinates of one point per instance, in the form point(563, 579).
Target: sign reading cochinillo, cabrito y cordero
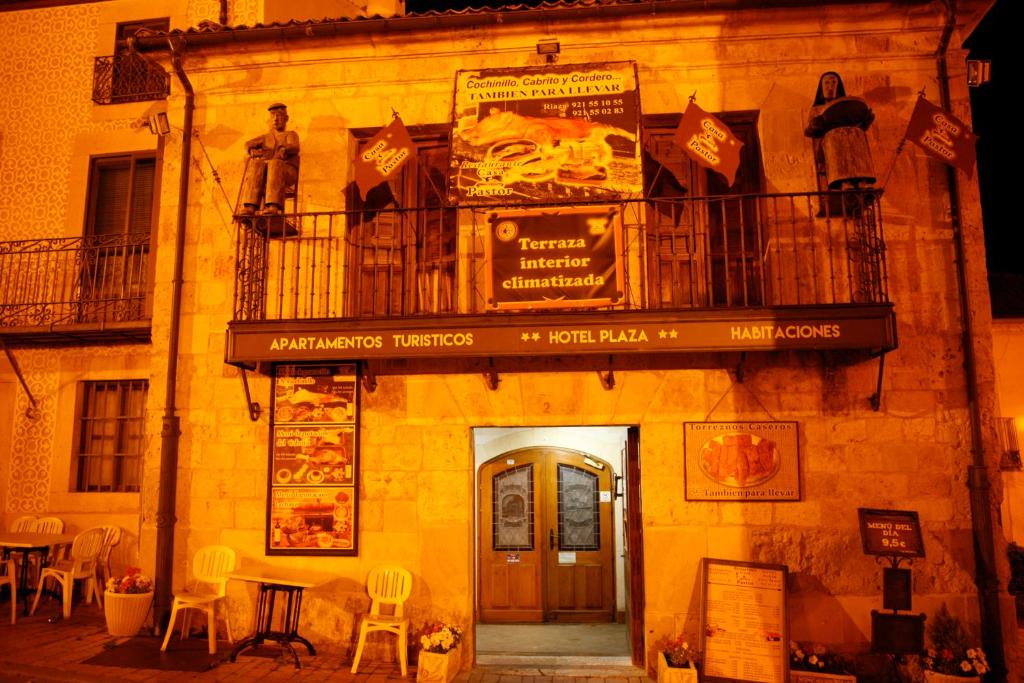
point(558, 133)
point(554, 258)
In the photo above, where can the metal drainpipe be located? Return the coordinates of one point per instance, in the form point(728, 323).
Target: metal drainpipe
point(223, 12)
point(166, 507)
point(985, 577)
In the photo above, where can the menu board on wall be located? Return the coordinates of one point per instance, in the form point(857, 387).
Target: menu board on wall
point(744, 632)
point(312, 500)
point(556, 133)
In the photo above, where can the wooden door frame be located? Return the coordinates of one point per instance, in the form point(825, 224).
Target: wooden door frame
point(634, 524)
point(635, 541)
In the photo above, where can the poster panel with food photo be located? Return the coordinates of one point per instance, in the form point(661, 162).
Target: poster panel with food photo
point(314, 455)
point(315, 394)
point(744, 461)
point(557, 133)
point(312, 520)
point(312, 493)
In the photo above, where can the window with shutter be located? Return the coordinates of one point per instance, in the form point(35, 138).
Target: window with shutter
point(119, 221)
point(110, 435)
point(403, 247)
point(701, 253)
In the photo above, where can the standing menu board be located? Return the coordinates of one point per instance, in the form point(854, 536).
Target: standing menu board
point(744, 621)
point(312, 491)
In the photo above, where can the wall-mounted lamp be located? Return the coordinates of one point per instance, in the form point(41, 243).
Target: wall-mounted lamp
point(158, 124)
point(550, 48)
point(979, 72)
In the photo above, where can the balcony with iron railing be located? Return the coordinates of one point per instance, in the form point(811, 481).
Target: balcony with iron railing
point(128, 77)
point(803, 259)
point(90, 289)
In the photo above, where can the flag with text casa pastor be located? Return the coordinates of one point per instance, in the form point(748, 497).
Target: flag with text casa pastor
point(709, 142)
point(383, 156)
point(942, 136)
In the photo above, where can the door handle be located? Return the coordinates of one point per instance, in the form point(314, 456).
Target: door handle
point(551, 539)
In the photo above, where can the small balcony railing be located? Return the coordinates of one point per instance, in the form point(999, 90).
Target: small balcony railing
point(128, 77)
point(70, 281)
point(735, 252)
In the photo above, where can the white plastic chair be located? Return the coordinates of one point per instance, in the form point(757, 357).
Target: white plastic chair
point(209, 569)
point(111, 537)
point(23, 523)
point(80, 565)
point(48, 525)
point(388, 586)
point(10, 579)
point(45, 525)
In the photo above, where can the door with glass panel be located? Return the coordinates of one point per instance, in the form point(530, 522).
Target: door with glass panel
point(545, 546)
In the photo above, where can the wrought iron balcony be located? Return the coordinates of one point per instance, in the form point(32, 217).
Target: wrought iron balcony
point(90, 289)
point(128, 77)
point(700, 253)
point(736, 258)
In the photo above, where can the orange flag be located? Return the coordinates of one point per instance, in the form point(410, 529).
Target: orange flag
point(383, 156)
point(942, 136)
point(709, 142)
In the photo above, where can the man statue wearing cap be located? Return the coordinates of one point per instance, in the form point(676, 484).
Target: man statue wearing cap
point(273, 165)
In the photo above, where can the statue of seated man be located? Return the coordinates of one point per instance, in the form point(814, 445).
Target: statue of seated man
point(273, 166)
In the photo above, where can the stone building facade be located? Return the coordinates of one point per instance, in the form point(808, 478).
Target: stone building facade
point(420, 431)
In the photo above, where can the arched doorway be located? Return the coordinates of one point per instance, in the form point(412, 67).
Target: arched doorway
point(545, 525)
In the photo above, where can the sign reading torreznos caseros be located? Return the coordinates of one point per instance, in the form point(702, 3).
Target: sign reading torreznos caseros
point(558, 258)
point(746, 461)
point(558, 133)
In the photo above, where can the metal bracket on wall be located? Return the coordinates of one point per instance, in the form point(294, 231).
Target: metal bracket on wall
point(369, 378)
point(254, 407)
point(607, 377)
point(32, 412)
point(491, 376)
point(740, 369)
point(876, 398)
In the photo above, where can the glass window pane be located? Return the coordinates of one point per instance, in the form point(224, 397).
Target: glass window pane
point(513, 509)
point(579, 516)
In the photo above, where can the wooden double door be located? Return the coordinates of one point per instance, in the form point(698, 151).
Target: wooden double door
point(545, 538)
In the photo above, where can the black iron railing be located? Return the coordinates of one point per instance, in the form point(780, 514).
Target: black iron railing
point(62, 281)
point(128, 77)
point(748, 251)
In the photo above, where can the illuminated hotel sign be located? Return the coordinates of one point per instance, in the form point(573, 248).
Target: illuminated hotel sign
point(554, 258)
point(869, 327)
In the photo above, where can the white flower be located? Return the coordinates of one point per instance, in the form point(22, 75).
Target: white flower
point(813, 659)
point(971, 653)
point(965, 666)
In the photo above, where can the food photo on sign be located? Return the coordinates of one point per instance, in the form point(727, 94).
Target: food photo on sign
point(747, 461)
point(545, 134)
point(313, 455)
point(314, 398)
point(311, 518)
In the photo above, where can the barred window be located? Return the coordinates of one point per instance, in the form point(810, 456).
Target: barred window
point(110, 435)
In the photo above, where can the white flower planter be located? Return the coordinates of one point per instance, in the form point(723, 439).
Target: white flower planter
point(438, 668)
point(815, 677)
point(126, 612)
point(934, 677)
point(671, 674)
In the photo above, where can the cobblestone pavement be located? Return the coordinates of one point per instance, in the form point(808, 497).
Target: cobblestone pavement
point(36, 650)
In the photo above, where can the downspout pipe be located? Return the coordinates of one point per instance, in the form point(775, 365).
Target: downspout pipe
point(171, 431)
point(986, 578)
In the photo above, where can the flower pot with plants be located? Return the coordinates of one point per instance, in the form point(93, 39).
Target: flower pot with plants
point(812, 663)
point(126, 602)
point(677, 662)
point(441, 657)
point(949, 659)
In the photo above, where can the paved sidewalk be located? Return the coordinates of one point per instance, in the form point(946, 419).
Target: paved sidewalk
point(36, 650)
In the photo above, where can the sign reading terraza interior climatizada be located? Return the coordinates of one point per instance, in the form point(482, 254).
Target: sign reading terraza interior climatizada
point(498, 334)
point(554, 258)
